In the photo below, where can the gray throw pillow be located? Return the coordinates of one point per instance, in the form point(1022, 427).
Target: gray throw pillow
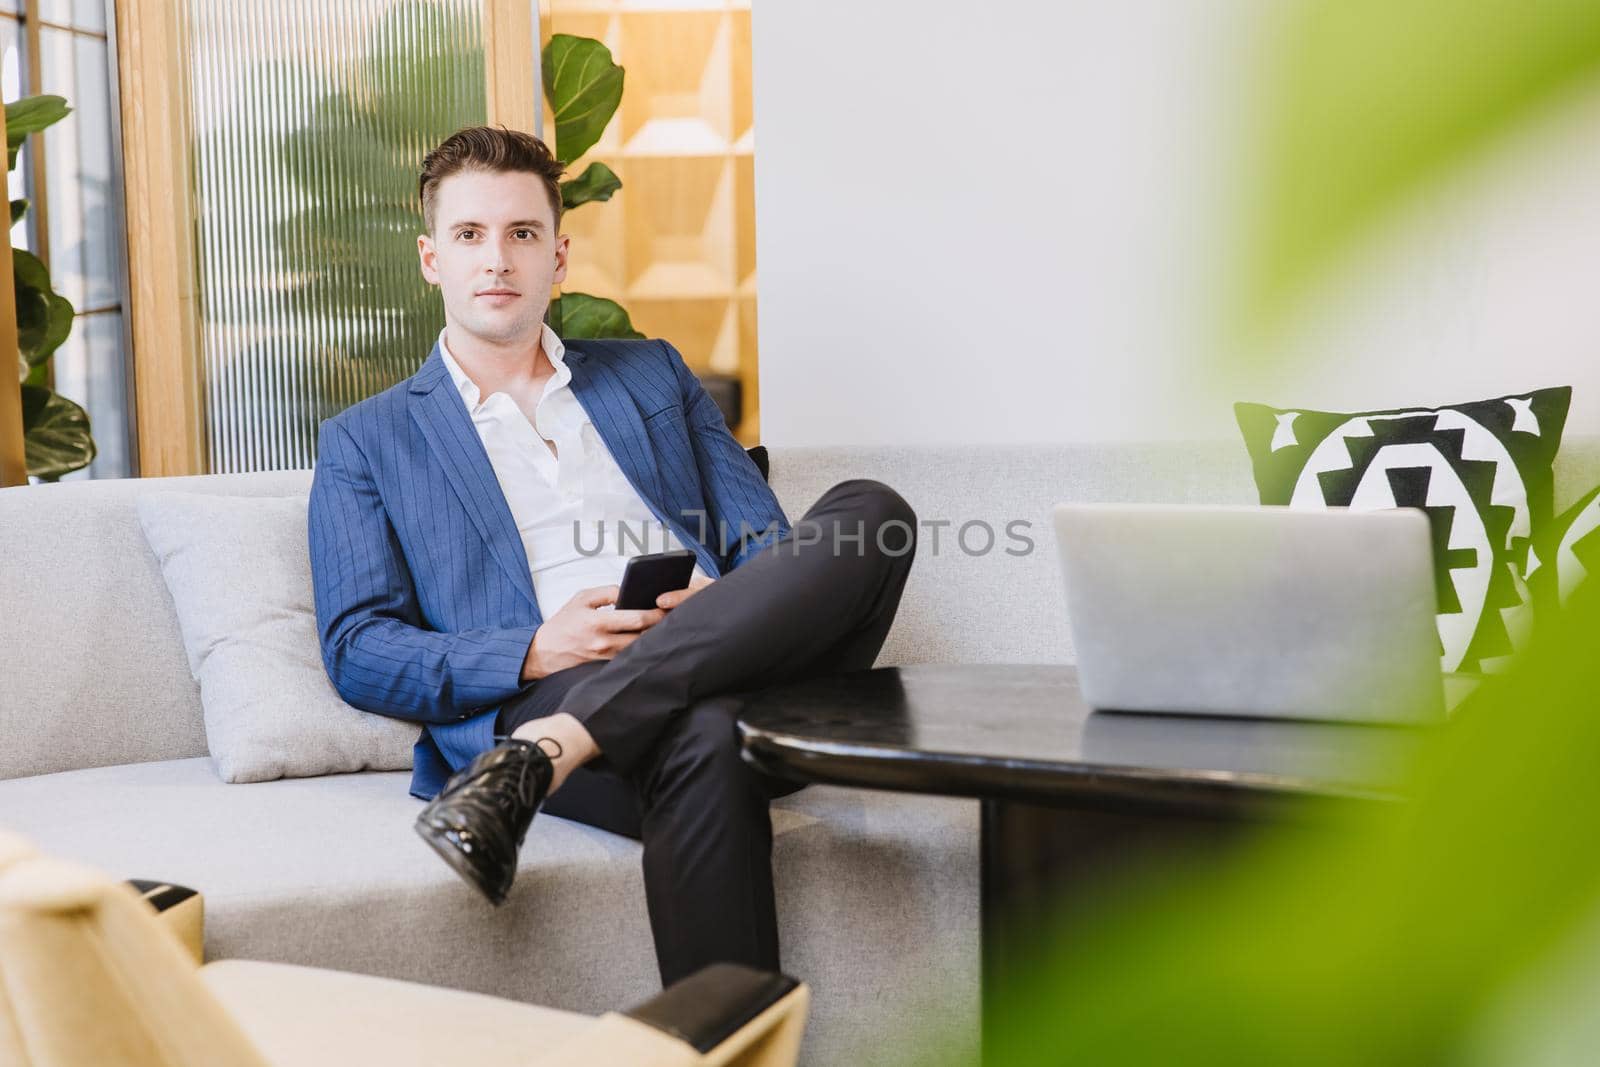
point(240, 576)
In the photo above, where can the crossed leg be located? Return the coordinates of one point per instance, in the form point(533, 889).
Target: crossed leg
point(662, 715)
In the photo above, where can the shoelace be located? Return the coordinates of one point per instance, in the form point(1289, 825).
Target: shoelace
point(522, 792)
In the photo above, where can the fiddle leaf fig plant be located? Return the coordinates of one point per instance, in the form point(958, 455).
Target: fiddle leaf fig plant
point(582, 315)
point(597, 182)
point(55, 430)
point(583, 86)
point(56, 433)
point(30, 115)
point(44, 317)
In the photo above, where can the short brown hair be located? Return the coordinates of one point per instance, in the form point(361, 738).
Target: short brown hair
point(494, 149)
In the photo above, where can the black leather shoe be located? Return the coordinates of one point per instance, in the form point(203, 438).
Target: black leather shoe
point(478, 821)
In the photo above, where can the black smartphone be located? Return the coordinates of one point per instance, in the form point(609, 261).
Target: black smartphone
point(647, 577)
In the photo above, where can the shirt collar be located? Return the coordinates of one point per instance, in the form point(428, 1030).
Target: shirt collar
point(553, 349)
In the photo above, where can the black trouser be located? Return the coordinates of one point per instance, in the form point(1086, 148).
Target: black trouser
point(663, 712)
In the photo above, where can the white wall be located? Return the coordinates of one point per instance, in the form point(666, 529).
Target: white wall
point(1007, 222)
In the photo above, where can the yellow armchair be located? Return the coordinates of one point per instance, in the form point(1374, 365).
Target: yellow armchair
point(88, 976)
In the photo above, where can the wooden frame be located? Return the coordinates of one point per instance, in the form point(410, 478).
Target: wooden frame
point(39, 200)
point(13, 454)
point(163, 310)
point(514, 93)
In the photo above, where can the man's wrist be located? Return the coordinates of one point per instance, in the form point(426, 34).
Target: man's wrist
point(532, 665)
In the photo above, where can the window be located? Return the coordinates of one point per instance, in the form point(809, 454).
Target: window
point(310, 124)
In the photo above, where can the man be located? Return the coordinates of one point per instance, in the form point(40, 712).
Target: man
point(452, 530)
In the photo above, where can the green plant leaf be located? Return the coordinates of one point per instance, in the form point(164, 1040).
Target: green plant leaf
point(597, 182)
point(44, 317)
point(19, 208)
point(30, 115)
point(1367, 102)
point(579, 315)
point(55, 434)
point(584, 88)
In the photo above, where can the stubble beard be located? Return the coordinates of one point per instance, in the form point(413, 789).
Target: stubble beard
point(505, 330)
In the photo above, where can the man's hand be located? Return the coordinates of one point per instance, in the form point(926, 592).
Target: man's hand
point(668, 601)
point(581, 632)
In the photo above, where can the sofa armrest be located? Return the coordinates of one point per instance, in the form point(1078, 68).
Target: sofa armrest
point(724, 1015)
point(181, 911)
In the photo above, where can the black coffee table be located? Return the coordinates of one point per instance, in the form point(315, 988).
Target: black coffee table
point(1068, 795)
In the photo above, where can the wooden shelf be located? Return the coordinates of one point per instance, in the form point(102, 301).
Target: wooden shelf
point(704, 330)
point(676, 246)
point(740, 95)
point(744, 196)
point(678, 67)
point(677, 137)
point(563, 8)
point(688, 280)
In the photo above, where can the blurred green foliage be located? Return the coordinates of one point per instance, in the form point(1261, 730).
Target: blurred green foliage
point(1366, 103)
point(1383, 937)
point(1433, 931)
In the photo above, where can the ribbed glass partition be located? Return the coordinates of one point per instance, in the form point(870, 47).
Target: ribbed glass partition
point(310, 119)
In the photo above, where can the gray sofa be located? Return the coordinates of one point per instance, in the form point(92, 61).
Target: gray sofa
point(103, 758)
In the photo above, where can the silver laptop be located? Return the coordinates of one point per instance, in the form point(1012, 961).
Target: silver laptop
point(1253, 611)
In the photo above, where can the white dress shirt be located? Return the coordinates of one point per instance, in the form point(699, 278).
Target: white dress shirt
point(564, 502)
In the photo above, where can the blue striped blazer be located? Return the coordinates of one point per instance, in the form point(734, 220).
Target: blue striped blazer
point(425, 605)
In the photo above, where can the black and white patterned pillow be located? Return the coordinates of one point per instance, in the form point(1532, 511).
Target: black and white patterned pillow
point(1481, 472)
point(1575, 553)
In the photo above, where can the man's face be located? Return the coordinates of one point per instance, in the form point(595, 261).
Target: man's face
point(494, 254)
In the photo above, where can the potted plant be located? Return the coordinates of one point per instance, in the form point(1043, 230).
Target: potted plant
point(55, 430)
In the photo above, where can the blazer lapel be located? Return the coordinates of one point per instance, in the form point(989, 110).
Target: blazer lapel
point(442, 416)
point(616, 419)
